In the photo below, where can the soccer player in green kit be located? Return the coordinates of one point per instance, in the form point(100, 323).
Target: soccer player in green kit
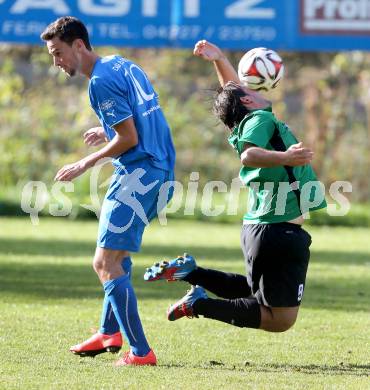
point(276, 169)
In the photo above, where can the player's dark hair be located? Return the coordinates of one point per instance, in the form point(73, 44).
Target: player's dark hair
point(227, 105)
point(67, 29)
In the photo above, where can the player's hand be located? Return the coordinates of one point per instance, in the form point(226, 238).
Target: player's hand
point(298, 155)
point(71, 171)
point(208, 51)
point(94, 136)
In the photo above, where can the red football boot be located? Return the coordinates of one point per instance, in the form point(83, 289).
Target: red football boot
point(98, 343)
point(184, 306)
point(129, 359)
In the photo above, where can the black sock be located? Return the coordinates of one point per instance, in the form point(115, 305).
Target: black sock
point(223, 284)
point(242, 312)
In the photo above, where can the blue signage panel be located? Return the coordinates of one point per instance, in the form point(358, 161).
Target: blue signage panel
point(233, 24)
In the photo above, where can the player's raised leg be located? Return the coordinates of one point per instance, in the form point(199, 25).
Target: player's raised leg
point(241, 312)
point(223, 284)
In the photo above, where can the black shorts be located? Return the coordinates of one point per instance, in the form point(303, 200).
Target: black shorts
point(276, 257)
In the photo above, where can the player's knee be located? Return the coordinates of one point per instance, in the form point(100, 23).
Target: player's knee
point(284, 324)
point(99, 264)
point(285, 320)
point(279, 319)
point(108, 263)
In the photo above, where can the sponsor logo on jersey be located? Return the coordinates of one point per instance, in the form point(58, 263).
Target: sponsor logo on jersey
point(107, 105)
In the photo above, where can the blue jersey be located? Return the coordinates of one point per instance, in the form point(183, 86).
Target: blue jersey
point(118, 90)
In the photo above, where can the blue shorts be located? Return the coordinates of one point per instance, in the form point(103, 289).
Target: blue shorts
point(136, 194)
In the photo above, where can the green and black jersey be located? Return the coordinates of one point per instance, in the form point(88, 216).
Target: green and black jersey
point(271, 198)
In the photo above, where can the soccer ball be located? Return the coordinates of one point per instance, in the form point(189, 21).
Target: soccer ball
point(260, 69)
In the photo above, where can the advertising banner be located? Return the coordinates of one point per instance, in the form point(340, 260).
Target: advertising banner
point(328, 25)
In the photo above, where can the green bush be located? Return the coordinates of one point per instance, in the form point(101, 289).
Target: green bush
point(43, 114)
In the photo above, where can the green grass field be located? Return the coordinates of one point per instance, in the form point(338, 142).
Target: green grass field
point(51, 299)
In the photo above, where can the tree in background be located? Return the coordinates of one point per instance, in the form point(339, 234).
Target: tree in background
point(325, 98)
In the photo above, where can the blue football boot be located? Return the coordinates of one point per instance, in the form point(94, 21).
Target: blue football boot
point(176, 269)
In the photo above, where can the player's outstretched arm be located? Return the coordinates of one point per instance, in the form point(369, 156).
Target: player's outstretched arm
point(257, 157)
point(210, 52)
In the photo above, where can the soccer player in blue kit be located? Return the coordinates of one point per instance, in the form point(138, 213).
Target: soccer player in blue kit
point(140, 144)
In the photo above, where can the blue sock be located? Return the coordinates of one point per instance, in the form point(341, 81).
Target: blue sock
point(108, 322)
point(123, 300)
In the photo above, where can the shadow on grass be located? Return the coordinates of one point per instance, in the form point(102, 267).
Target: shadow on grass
point(72, 248)
point(45, 280)
point(310, 369)
point(47, 247)
point(49, 282)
